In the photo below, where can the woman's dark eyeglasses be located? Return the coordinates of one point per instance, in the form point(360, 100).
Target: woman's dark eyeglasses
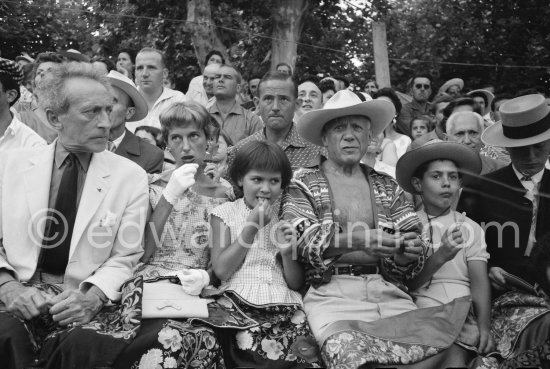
point(420, 85)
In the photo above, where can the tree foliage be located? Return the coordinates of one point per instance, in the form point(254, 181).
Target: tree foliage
point(336, 37)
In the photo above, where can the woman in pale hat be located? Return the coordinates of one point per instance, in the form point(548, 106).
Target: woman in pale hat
point(452, 87)
point(456, 250)
point(358, 237)
point(514, 205)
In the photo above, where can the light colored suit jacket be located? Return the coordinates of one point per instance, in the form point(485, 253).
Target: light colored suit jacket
point(107, 236)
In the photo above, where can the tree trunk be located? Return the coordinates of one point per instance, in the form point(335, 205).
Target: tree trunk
point(203, 33)
point(287, 18)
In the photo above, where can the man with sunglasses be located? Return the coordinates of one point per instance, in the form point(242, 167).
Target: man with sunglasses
point(421, 91)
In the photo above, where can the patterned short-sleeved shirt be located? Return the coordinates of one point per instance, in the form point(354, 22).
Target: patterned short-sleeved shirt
point(307, 205)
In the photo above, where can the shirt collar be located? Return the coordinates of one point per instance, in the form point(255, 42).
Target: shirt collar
point(292, 139)
point(536, 178)
point(61, 154)
point(119, 140)
point(235, 109)
point(14, 126)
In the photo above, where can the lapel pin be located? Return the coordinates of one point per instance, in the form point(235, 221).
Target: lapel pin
point(99, 189)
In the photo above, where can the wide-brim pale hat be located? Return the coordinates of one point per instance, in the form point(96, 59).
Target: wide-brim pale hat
point(488, 95)
point(125, 84)
point(345, 103)
point(455, 81)
point(466, 159)
point(525, 121)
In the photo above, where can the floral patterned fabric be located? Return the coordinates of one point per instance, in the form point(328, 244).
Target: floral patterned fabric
point(108, 333)
point(281, 339)
point(166, 343)
point(350, 349)
point(521, 327)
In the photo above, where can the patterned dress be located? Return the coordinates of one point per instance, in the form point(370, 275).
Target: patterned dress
point(168, 343)
point(282, 338)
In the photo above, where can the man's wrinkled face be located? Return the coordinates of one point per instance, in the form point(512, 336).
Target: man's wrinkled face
point(253, 86)
point(347, 139)
point(208, 77)
point(277, 103)
point(225, 82)
point(150, 72)
point(466, 130)
point(310, 96)
point(84, 127)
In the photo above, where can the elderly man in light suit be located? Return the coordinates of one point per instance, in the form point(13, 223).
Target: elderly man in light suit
point(71, 221)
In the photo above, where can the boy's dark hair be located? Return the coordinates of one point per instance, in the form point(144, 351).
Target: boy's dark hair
point(423, 168)
point(153, 131)
point(390, 93)
point(131, 53)
point(326, 85)
point(9, 83)
point(261, 156)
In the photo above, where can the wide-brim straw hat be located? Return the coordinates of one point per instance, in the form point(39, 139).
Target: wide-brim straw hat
point(488, 95)
point(345, 103)
point(525, 121)
point(125, 84)
point(466, 159)
point(455, 81)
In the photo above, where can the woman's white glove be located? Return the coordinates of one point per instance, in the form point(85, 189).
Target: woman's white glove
point(193, 280)
point(180, 181)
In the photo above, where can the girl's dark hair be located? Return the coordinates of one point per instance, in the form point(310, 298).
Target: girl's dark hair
point(261, 156)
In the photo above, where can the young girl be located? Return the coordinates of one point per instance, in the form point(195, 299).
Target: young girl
point(419, 127)
point(255, 267)
point(457, 256)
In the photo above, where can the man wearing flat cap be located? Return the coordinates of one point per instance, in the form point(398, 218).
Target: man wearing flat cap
point(72, 216)
point(130, 106)
point(512, 204)
point(13, 133)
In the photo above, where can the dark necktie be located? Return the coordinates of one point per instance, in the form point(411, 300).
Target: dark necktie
point(59, 230)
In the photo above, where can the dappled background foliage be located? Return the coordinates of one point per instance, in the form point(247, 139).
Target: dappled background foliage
point(472, 39)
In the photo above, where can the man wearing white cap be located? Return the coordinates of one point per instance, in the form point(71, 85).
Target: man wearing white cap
point(514, 206)
point(130, 106)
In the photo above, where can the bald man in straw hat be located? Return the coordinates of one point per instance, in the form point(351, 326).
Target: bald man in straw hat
point(513, 204)
point(358, 236)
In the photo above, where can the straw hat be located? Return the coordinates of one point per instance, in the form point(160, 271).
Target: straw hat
point(455, 81)
point(125, 84)
point(525, 121)
point(345, 103)
point(488, 95)
point(466, 159)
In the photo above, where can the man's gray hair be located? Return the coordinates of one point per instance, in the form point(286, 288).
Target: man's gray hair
point(51, 91)
point(464, 114)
